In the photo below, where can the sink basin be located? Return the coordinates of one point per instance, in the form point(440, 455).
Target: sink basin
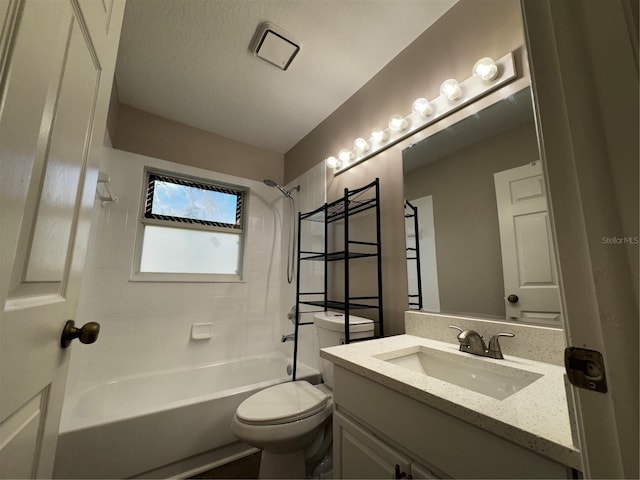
point(467, 371)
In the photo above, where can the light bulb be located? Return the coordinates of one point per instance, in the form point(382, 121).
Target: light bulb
point(345, 155)
point(333, 162)
point(485, 69)
point(397, 123)
point(421, 106)
point(361, 145)
point(451, 90)
point(378, 135)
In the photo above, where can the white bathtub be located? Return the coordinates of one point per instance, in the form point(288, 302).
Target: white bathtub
point(163, 424)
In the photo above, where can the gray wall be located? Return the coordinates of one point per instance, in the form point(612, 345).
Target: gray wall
point(141, 132)
point(466, 218)
point(468, 31)
point(112, 116)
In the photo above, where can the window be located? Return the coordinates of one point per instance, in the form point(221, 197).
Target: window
point(190, 230)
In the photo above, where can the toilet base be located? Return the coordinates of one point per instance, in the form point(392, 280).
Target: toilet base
point(282, 465)
point(324, 468)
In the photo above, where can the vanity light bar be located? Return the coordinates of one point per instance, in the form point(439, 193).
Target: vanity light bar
point(486, 77)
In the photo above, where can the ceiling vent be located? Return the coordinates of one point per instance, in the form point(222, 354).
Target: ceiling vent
point(274, 45)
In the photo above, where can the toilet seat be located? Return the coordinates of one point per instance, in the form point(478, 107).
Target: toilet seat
point(284, 403)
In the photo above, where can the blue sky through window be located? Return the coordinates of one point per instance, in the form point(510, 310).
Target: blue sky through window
point(195, 203)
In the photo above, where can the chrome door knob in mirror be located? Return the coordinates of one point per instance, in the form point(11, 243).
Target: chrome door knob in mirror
point(87, 334)
point(512, 298)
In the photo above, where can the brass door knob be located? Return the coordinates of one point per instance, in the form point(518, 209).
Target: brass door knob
point(87, 334)
point(512, 298)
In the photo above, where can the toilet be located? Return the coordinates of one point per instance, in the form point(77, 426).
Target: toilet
point(291, 422)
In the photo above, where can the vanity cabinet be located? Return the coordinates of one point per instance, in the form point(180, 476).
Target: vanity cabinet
point(377, 428)
point(358, 453)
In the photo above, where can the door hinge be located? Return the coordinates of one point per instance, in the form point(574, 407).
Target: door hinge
point(585, 369)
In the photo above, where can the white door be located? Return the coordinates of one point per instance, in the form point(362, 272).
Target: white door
point(57, 64)
point(583, 59)
point(528, 260)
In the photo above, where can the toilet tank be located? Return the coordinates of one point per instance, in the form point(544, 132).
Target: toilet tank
point(330, 329)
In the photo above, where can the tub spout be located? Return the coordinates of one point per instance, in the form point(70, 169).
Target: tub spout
point(286, 338)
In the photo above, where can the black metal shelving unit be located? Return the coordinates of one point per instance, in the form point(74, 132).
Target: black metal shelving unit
point(352, 203)
point(413, 255)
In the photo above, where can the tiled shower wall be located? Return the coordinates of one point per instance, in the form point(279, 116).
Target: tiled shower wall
point(312, 195)
point(146, 326)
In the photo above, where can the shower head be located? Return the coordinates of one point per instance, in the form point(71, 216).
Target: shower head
point(285, 192)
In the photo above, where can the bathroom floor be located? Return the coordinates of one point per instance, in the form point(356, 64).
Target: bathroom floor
point(246, 467)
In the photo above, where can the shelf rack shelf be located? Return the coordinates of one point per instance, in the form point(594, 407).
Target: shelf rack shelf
point(413, 254)
point(335, 256)
point(353, 202)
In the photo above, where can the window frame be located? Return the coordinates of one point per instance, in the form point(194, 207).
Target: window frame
point(146, 218)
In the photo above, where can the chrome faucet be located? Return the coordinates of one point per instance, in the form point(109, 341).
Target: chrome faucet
point(472, 342)
point(494, 350)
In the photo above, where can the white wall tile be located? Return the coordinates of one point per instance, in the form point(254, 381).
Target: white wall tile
point(146, 325)
point(311, 196)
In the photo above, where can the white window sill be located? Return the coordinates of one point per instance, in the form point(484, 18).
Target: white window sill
point(185, 278)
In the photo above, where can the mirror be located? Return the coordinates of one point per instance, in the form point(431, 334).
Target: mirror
point(478, 234)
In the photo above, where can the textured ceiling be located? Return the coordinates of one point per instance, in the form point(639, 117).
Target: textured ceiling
point(189, 60)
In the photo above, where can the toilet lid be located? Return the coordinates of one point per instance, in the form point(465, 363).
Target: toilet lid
point(283, 403)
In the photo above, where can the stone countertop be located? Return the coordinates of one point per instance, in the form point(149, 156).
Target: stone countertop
point(535, 417)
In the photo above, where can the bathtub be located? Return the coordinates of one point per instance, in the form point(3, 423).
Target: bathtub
point(164, 424)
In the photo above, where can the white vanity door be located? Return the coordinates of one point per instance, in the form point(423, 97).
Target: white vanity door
point(56, 71)
point(528, 259)
point(359, 454)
